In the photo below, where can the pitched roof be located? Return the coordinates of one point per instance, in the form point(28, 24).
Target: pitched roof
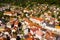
point(8, 13)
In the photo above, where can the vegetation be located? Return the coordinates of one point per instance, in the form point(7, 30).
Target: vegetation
point(27, 2)
point(1, 14)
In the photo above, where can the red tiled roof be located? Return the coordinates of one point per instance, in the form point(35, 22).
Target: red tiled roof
point(8, 13)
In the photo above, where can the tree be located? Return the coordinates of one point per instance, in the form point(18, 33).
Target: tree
point(1, 14)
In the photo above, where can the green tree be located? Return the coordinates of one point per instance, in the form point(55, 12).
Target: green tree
point(1, 14)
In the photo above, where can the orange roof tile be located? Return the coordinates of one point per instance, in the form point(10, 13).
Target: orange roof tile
point(40, 18)
point(58, 27)
point(28, 38)
point(33, 29)
point(31, 23)
point(29, 34)
point(49, 34)
point(16, 22)
point(8, 13)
